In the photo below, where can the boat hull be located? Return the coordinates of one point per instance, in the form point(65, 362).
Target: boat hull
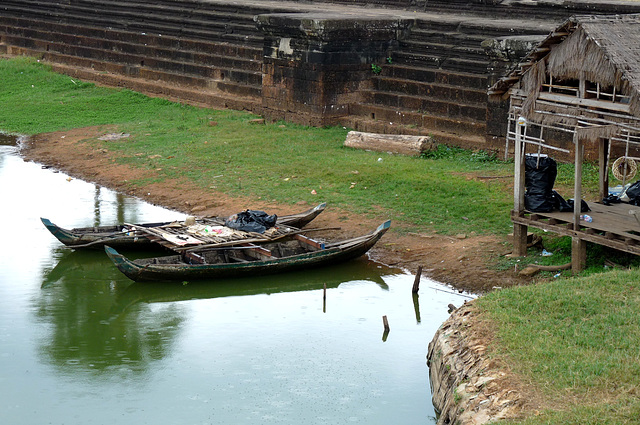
point(180, 271)
point(117, 237)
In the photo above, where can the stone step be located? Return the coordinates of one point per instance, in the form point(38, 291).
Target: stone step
point(442, 107)
point(436, 76)
point(165, 21)
point(439, 62)
point(193, 63)
point(183, 94)
point(552, 10)
point(218, 68)
point(219, 97)
point(454, 39)
point(92, 69)
point(130, 52)
point(430, 91)
point(460, 126)
point(108, 38)
point(444, 50)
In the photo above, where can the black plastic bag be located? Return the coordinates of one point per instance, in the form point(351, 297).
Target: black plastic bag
point(251, 221)
point(584, 207)
point(567, 206)
point(539, 177)
point(633, 192)
point(611, 199)
point(560, 204)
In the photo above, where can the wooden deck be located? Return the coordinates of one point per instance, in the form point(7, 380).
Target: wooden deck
point(613, 226)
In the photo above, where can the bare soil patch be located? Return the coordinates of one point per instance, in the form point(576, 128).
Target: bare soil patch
point(463, 262)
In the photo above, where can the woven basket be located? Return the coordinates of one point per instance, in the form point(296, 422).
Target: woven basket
point(618, 168)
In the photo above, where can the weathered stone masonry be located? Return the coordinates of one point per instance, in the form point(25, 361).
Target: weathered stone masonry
point(309, 63)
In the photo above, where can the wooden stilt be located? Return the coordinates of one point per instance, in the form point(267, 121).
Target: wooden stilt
point(519, 230)
point(603, 166)
point(578, 246)
point(578, 255)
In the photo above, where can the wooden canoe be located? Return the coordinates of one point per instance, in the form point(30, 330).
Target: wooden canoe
point(127, 236)
point(297, 253)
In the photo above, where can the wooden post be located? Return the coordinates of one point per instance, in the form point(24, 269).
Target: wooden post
point(578, 245)
point(416, 282)
point(519, 230)
point(603, 168)
point(386, 328)
point(324, 299)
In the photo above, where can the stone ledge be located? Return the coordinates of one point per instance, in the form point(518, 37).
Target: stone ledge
point(467, 386)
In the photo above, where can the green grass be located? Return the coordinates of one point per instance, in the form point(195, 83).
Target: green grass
point(578, 341)
point(277, 162)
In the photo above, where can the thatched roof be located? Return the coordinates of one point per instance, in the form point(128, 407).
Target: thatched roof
point(605, 49)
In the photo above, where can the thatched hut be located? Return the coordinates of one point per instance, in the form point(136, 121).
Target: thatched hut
point(583, 81)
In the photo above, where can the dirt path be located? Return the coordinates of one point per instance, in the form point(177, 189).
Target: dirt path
point(463, 261)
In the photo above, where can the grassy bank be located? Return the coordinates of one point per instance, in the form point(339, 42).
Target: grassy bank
point(448, 191)
point(575, 340)
point(224, 151)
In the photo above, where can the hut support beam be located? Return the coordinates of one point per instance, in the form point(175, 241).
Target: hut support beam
point(519, 230)
point(578, 245)
point(603, 167)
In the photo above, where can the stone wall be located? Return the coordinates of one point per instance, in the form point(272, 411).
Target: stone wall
point(467, 386)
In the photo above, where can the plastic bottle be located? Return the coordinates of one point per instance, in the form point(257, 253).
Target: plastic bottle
point(586, 218)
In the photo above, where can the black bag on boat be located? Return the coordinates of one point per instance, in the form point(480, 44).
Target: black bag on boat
point(539, 177)
point(251, 221)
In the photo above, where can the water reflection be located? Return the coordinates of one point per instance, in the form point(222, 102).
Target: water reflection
point(85, 336)
point(329, 277)
point(99, 321)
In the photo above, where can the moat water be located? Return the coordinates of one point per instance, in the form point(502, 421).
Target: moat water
point(82, 344)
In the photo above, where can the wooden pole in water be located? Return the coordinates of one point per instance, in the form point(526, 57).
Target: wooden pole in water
point(416, 282)
point(385, 322)
point(324, 299)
